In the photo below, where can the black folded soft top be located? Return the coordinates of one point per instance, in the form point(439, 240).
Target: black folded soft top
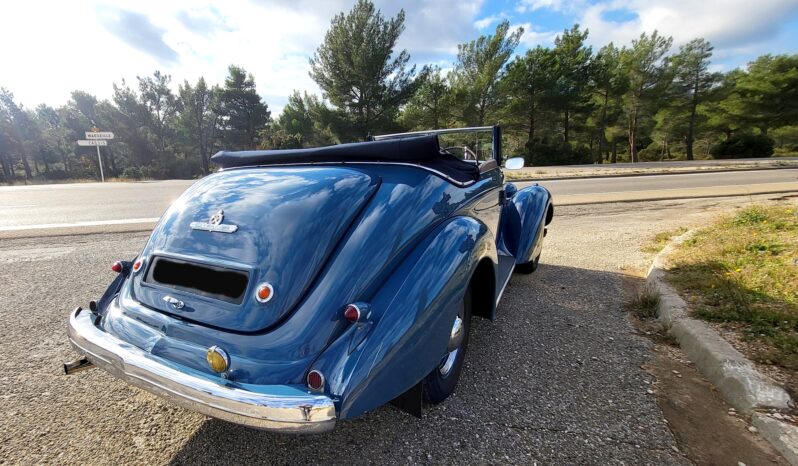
point(420, 150)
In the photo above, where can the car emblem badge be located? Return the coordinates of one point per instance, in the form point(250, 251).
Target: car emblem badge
point(215, 224)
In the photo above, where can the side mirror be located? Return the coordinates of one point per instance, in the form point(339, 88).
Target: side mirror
point(515, 163)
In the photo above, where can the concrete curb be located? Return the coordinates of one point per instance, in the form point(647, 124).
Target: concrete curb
point(733, 374)
point(782, 435)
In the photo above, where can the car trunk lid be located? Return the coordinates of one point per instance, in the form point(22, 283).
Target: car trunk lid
point(239, 229)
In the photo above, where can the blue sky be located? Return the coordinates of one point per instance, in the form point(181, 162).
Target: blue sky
point(53, 47)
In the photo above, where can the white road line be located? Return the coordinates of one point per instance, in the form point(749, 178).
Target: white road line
point(17, 206)
point(47, 226)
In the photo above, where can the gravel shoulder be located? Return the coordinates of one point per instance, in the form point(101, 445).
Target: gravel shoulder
point(558, 377)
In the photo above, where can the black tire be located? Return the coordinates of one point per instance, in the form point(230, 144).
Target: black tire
point(439, 385)
point(528, 267)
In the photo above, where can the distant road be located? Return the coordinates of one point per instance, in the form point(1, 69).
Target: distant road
point(119, 206)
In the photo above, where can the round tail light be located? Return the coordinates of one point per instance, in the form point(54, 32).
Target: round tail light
point(315, 380)
point(117, 267)
point(352, 313)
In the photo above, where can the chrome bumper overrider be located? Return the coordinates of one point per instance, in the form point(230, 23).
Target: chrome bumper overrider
point(281, 408)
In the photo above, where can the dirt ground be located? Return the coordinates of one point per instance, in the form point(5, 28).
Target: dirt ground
point(706, 428)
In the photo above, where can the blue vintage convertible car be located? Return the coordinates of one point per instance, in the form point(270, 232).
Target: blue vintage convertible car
point(295, 288)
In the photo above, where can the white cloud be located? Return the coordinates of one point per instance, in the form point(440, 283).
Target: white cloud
point(732, 24)
point(534, 36)
point(525, 6)
point(485, 22)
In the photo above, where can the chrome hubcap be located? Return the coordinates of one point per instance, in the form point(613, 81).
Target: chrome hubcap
point(453, 348)
point(456, 336)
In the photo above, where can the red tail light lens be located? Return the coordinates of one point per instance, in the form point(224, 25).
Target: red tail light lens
point(352, 313)
point(117, 267)
point(315, 380)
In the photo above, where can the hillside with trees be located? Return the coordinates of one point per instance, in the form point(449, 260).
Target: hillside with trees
point(565, 104)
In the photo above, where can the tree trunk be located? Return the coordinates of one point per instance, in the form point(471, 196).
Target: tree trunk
point(65, 160)
point(603, 125)
point(633, 134)
point(688, 142)
point(614, 157)
point(26, 166)
point(566, 127)
point(112, 161)
point(8, 176)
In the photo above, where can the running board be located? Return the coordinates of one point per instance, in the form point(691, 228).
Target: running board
point(506, 267)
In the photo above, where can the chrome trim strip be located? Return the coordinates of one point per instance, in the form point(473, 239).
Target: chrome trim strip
point(422, 167)
point(280, 408)
point(212, 227)
point(509, 275)
point(474, 129)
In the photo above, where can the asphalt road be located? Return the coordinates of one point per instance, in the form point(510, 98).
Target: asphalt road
point(557, 378)
point(87, 204)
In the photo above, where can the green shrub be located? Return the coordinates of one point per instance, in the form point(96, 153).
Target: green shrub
point(131, 173)
point(543, 153)
point(744, 146)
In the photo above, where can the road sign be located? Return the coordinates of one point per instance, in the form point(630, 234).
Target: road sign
point(99, 135)
point(92, 142)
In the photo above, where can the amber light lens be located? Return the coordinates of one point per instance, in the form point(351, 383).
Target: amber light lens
point(217, 359)
point(315, 380)
point(137, 265)
point(264, 292)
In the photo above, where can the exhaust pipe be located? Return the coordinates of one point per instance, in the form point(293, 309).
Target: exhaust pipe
point(80, 364)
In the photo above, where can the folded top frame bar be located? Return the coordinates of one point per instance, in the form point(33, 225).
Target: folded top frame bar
point(495, 130)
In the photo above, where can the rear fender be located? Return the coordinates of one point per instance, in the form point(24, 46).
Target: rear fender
point(523, 220)
point(406, 335)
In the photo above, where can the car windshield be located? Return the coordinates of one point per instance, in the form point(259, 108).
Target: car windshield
point(474, 147)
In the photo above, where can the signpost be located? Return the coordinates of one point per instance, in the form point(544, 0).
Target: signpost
point(92, 142)
point(99, 135)
point(97, 138)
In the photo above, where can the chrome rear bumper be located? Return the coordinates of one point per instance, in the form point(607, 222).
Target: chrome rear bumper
point(282, 408)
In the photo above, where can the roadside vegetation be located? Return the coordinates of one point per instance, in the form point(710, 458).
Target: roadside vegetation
point(742, 271)
point(566, 104)
point(645, 304)
point(660, 240)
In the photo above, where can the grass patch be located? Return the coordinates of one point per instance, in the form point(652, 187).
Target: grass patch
point(645, 304)
point(743, 270)
point(660, 240)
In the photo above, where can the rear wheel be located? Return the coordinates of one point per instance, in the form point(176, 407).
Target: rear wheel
point(441, 382)
point(528, 267)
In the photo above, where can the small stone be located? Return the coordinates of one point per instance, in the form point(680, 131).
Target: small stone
point(675, 371)
point(650, 391)
point(740, 463)
point(753, 429)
